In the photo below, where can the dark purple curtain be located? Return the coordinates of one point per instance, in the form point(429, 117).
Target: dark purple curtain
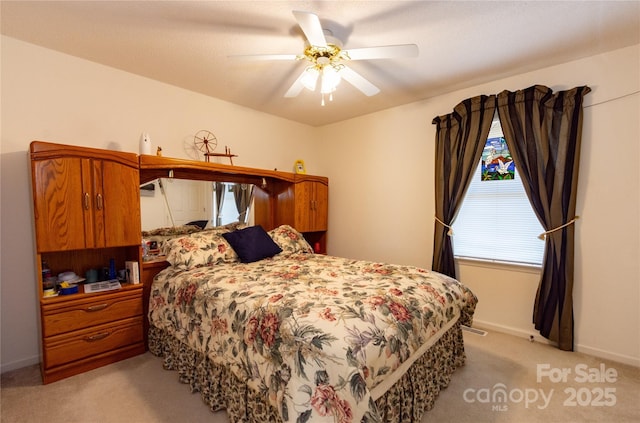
point(460, 138)
point(543, 130)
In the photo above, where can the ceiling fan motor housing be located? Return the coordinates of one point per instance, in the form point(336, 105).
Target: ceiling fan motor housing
point(321, 56)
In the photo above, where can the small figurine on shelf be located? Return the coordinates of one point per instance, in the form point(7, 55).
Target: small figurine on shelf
point(159, 152)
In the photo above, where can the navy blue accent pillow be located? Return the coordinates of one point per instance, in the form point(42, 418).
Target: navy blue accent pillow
point(252, 244)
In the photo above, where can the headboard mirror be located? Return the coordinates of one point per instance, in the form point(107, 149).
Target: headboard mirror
point(190, 192)
point(169, 202)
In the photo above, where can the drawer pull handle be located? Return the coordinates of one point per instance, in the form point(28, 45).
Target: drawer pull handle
point(97, 336)
point(97, 307)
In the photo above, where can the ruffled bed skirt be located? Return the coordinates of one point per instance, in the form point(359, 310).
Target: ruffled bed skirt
point(405, 402)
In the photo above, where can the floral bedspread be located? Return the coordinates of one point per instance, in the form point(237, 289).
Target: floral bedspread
point(315, 334)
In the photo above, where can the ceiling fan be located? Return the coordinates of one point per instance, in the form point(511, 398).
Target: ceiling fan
point(326, 60)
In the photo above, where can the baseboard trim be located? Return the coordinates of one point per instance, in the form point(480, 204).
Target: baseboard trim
point(535, 336)
point(531, 336)
point(608, 355)
point(15, 365)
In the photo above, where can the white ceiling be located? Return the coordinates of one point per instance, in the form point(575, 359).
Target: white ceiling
point(187, 44)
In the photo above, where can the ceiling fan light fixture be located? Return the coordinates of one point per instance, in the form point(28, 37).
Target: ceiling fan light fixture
point(330, 79)
point(310, 78)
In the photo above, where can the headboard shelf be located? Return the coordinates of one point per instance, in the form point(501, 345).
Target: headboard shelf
point(153, 167)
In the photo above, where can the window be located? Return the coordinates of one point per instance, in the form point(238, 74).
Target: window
point(229, 212)
point(496, 221)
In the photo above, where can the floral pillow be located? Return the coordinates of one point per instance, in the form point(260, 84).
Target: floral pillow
point(199, 249)
point(162, 236)
point(290, 240)
point(234, 226)
point(171, 231)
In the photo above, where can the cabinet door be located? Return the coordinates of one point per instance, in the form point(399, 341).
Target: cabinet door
point(60, 200)
point(120, 203)
point(93, 213)
point(85, 203)
point(320, 206)
point(311, 206)
point(303, 194)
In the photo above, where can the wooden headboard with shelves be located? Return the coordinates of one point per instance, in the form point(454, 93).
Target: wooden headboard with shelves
point(271, 184)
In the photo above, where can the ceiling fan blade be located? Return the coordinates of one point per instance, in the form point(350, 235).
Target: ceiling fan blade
point(358, 81)
point(310, 25)
point(296, 87)
point(383, 52)
point(252, 57)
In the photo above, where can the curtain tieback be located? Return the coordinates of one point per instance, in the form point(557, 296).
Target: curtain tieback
point(450, 231)
point(571, 222)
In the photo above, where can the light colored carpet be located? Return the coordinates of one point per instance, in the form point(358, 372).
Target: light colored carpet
point(138, 390)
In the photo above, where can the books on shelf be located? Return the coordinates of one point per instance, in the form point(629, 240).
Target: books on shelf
point(133, 272)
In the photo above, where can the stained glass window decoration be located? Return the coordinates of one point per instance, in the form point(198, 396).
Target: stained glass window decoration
point(497, 163)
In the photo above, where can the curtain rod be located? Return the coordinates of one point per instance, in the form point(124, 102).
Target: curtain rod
point(612, 99)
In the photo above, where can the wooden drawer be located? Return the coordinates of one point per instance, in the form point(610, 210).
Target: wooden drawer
point(70, 347)
point(71, 316)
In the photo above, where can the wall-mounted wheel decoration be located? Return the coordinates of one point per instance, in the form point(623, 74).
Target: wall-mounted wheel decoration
point(205, 142)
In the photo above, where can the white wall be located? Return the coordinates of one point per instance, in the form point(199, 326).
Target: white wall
point(380, 168)
point(382, 201)
point(54, 97)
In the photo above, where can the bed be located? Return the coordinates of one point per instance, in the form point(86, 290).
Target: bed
point(271, 332)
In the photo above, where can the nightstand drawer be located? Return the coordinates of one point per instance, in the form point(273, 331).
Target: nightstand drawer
point(89, 313)
point(84, 343)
